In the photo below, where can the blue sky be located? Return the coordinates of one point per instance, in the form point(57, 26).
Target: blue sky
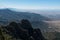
point(30, 4)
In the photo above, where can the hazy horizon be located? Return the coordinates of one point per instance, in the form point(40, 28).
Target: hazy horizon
point(31, 4)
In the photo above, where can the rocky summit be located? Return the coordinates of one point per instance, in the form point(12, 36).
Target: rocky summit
point(23, 31)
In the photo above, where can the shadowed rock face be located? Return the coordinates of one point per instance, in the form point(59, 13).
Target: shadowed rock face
point(24, 31)
point(38, 35)
point(26, 24)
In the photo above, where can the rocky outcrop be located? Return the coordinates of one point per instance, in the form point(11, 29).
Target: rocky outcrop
point(23, 31)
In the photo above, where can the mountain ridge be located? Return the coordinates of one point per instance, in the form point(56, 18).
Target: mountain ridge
point(7, 14)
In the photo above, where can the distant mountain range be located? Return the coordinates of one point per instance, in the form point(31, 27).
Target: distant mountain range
point(11, 15)
point(40, 14)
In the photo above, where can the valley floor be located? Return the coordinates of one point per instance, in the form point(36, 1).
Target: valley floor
point(55, 25)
